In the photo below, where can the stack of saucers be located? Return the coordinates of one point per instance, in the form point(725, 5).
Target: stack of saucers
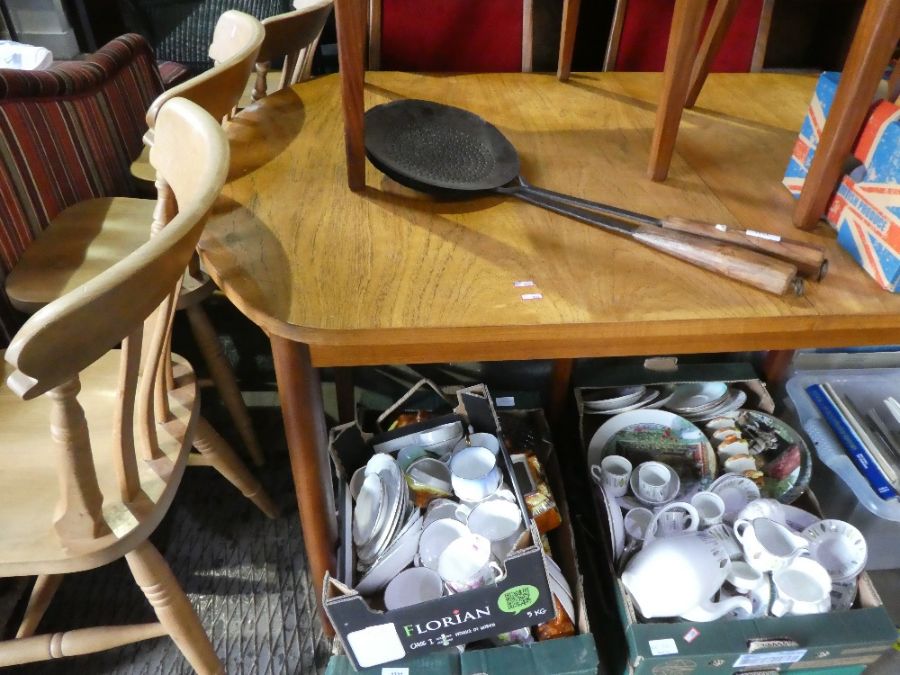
point(615, 400)
point(702, 401)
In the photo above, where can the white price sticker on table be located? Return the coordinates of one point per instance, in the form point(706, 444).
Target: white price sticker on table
point(663, 647)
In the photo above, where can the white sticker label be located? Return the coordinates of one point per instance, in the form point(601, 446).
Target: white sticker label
point(762, 235)
point(770, 658)
point(505, 401)
point(395, 671)
point(691, 635)
point(663, 647)
point(523, 284)
point(721, 228)
point(376, 644)
point(532, 296)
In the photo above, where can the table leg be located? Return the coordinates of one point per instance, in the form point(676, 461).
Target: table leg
point(304, 425)
point(350, 21)
point(571, 9)
point(874, 42)
point(775, 365)
point(683, 36)
point(723, 15)
point(560, 378)
point(346, 394)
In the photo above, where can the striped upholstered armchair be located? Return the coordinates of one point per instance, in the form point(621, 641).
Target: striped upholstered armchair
point(68, 134)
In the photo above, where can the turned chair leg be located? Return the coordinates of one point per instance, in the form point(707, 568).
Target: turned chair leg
point(719, 23)
point(173, 609)
point(217, 453)
point(223, 376)
point(679, 56)
point(45, 587)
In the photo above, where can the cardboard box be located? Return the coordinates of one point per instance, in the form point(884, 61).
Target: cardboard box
point(564, 655)
point(832, 642)
point(866, 209)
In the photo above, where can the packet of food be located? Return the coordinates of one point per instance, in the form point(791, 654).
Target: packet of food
point(538, 497)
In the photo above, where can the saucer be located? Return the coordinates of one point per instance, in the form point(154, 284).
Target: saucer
point(674, 486)
point(616, 523)
point(395, 559)
point(369, 509)
point(839, 547)
point(616, 397)
point(695, 397)
point(648, 397)
point(736, 491)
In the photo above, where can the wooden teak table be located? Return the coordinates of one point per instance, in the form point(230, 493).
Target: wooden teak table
point(383, 275)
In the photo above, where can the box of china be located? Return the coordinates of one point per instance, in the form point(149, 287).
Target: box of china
point(815, 643)
point(420, 634)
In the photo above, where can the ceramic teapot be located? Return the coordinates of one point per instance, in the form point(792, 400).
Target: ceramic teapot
point(678, 576)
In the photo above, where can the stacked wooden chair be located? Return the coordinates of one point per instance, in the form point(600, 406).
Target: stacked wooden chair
point(93, 441)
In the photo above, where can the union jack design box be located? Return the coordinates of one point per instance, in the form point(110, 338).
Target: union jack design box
point(866, 209)
point(810, 132)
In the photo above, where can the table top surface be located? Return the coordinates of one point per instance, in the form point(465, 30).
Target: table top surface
point(389, 276)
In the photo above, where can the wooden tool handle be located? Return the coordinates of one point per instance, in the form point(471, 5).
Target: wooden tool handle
point(741, 264)
point(808, 258)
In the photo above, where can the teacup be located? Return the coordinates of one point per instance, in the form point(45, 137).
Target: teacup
point(412, 586)
point(436, 538)
point(802, 587)
point(744, 577)
point(474, 473)
point(768, 545)
point(445, 508)
point(410, 454)
point(725, 536)
point(613, 473)
point(431, 473)
point(654, 481)
point(480, 440)
point(499, 521)
point(673, 519)
point(710, 507)
point(467, 563)
point(637, 523)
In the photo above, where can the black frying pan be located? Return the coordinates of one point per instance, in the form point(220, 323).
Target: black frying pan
point(453, 153)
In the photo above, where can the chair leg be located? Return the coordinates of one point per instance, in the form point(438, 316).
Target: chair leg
point(217, 453)
point(223, 376)
point(172, 607)
point(875, 40)
point(571, 9)
point(679, 55)
point(45, 587)
point(723, 15)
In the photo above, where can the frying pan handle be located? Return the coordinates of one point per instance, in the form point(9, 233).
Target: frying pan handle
point(741, 264)
point(756, 269)
point(809, 258)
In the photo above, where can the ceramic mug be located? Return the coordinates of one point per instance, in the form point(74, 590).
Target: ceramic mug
point(637, 523)
point(467, 563)
point(436, 538)
point(445, 508)
point(710, 507)
point(654, 481)
point(673, 519)
point(480, 440)
point(412, 586)
point(768, 545)
point(474, 473)
point(613, 473)
point(802, 587)
point(498, 521)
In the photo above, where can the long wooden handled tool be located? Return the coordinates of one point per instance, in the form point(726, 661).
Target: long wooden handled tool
point(809, 258)
point(734, 262)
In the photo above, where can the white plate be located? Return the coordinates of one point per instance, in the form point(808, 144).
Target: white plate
point(617, 397)
point(696, 396)
point(736, 399)
point(660, 418)
point(839, 547)
point(560, 588)
point(369, 509)
point(649, 396)
point(666, 392)
point(394, 560)
point(736, 491)
point(397, 496)
point(616, 523)
point(674, 487)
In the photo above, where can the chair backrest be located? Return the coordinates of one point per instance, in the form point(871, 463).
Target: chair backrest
point(69, 334)
point(236, 42)
point(293, 35)
point(68, 134)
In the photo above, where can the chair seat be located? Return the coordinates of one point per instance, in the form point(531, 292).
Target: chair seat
point(142, 169)
point(28, 481)
point(82, 241)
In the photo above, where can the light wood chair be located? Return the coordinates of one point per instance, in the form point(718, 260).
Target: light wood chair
point(293, 35)
point(91, 236)
point(91, 462)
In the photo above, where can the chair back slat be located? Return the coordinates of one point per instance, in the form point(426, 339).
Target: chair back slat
point(236, 43)
point(74, 331)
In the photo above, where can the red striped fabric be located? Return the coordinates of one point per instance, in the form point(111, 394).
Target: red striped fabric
point(68, 134)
